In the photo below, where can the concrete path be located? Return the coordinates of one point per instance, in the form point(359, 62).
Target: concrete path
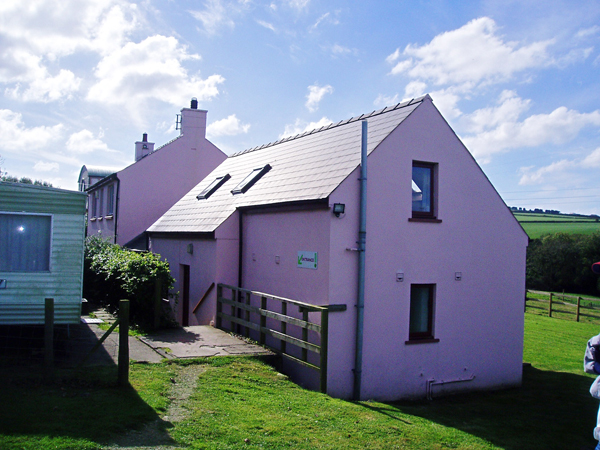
point(183, 342)
point(197, 341)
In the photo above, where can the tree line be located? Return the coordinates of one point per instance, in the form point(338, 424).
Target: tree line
point(563, 261)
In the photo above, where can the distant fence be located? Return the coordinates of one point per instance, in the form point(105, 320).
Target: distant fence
point(564, 306)
point(271, 321)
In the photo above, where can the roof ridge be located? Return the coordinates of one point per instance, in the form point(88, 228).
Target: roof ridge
point(387, 109)
point(165, 144)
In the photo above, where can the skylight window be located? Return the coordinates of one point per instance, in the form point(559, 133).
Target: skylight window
point(212, 187)
point(249, 181)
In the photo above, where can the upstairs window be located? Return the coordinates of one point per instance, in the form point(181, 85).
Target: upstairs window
point(249, 181)
point(25, 242)
point(212, 187)
point(110, 200)
point(95, 203)
point(423, 185)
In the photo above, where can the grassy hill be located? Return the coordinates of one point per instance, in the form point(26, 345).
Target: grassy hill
point(538, 224)
point(242, 403)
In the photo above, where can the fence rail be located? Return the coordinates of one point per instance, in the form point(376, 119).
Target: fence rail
point(571, 305)
point(274, 319)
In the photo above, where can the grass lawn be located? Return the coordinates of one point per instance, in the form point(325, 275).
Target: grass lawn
point(242, 403)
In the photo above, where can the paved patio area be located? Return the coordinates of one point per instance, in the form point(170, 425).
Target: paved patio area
point(197, 341)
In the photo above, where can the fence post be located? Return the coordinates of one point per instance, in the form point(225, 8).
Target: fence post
point(247, 314)
point(550, 306)
point(283, 346)
point(123, 358)
point(323, 354)
point(263, 320)
point(49, 332)
point(219, 304)
point(304, 333)
point(578, 306)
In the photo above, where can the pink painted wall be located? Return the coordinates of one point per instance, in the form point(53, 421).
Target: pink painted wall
point(150, 186)
point(479, 320)
point(212, 260)
point(478, 237)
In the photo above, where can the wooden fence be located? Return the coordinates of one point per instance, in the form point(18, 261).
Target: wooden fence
point(558, 304)
point(274, 320)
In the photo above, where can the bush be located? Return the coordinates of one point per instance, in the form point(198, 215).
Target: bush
point(113, 273)
point(562, 261)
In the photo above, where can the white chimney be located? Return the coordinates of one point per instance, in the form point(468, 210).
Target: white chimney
point(143, 148)
point(193, 122)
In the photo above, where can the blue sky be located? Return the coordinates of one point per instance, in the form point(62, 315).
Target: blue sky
point(519, 81)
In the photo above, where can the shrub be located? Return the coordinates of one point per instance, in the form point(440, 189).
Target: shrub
point(562, 261)
point(113, 273)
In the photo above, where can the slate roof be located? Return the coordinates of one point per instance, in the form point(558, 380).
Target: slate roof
point(308, 166)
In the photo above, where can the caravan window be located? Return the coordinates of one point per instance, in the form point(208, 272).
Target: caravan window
point(25, 242)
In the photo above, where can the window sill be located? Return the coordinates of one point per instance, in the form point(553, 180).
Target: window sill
point(424, 219)
point(92, 219)
point(422, 341)
point(109, 217)
point(100, 218)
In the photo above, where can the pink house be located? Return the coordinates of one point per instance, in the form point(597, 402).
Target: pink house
point(443, 258)
point(123, 204)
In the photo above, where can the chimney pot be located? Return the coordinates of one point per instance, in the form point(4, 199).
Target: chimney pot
point(194, 104)
point(145, 137)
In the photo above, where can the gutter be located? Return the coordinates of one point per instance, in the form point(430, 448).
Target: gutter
point(362, 237)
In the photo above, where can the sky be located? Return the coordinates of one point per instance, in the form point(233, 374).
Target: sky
point(518, 81)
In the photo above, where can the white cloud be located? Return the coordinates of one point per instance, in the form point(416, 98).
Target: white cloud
point(46, 88)
point(84, 141)
point(538, 176)
point(338, 50)
point(385, 100)
point(587, 32)
point(563, 172)
point(36, 35)
point(17, 138)
point(498, 129)
point(592, 160)
point(151, 69)
point(298, 5)
point(315, 95)
point(393, 57)
point(266, 25)
point(300, 127)
point(217, 15)
point(42, 166)
point(230, 126)
point(470, 56)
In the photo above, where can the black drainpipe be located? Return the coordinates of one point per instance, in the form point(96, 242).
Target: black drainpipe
point(241, 243)
point(116, 213)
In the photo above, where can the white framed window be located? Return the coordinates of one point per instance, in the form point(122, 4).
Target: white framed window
point(110, 200)
point(25, 242)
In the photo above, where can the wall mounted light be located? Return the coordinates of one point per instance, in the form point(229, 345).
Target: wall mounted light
point(338, 209)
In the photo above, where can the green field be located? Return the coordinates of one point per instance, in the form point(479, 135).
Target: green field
point(242, 403)
point(537, 225)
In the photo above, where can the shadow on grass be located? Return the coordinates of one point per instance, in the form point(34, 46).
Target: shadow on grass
point(65, 407)
point(552, 410)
